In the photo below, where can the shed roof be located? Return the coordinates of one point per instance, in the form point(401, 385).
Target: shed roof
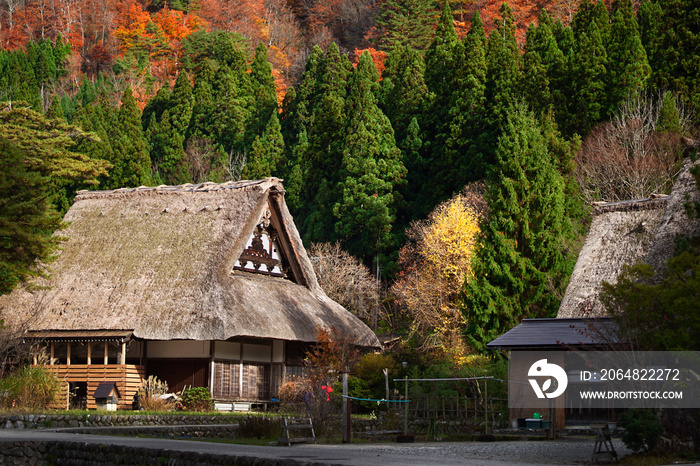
point(558, 333)
point(104, 390)
point(160, 262)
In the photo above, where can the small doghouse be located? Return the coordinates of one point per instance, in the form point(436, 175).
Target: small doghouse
point(107, 396)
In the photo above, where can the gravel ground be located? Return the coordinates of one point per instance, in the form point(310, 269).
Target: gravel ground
point(564, 451)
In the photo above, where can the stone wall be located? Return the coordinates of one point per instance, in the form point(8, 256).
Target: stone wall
point(53, 421)
point(171, 423)
point(81, 453)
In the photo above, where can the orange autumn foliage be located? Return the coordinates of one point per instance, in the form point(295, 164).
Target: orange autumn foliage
point(378, 57)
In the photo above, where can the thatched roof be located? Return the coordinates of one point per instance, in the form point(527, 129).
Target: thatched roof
point(675, 221)
point(159, 261)
point(623, 233)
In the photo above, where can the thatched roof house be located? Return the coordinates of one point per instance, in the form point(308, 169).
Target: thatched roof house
point(623, 233)
point(202, 263)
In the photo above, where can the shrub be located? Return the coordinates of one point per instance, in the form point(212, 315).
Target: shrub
point(28, 388)
point(643, 429)
point(197, 399)
point(370, 369)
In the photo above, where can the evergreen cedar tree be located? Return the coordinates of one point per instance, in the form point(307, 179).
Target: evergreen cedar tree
point(362, 159)
point(39, 174)
point(520, 266)
point(406, 23)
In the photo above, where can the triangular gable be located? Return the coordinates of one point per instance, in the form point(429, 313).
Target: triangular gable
point(268, 252)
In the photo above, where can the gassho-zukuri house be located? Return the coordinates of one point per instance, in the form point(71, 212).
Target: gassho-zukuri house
point(203, 285)
point(621, 233)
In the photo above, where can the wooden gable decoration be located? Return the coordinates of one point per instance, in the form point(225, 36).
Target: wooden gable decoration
point(265, 251)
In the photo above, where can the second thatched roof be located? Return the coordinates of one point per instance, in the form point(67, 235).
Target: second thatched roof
point(623, 233)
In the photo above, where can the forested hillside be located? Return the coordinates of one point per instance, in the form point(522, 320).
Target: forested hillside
point(532, 118)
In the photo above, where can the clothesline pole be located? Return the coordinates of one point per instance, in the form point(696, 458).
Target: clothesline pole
point(405, 417)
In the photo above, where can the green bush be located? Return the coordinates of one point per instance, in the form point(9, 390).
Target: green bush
point(28, 388)
point(370, 370)
point(197, 399)
point(643, 429)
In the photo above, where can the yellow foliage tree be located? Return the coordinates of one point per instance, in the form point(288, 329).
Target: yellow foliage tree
point(435, 262)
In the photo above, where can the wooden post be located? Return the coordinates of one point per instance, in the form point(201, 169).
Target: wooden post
point(68, 353)
point(52, 354)
point(386, 381)
point(486, 406)
point(89, 353)
point(123, 353)
point(106, 360)
point(347, 425)
point(240, 370)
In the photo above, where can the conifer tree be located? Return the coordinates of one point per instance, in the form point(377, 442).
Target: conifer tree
point(649, 18)
point(155, 106)
point(536, 91)
point(297, 110)
point(45, 69)
point(299, 103)
point(266, 152)
point(403, 88)
point(443, 63)
point(587, 13)
point(92, 119)
point(402, 97)
point(628, 67)
point(167, 138)
point(408, 206)
point(541, 39)
point(263, 92)
point(231, 111)
point(49, 147)
point(293, 172)
point(675, 65)
point(27, 221)
point(370, 170)
point(406, 23)
point(589, 73)
point(328, 119)
point(520, 267)
point(181, 103)
point(321, 167)
point(203, 102)
point(503, 76)
point(55, 110)
point(17, 78)
point(131, 164)
point(467, 111)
